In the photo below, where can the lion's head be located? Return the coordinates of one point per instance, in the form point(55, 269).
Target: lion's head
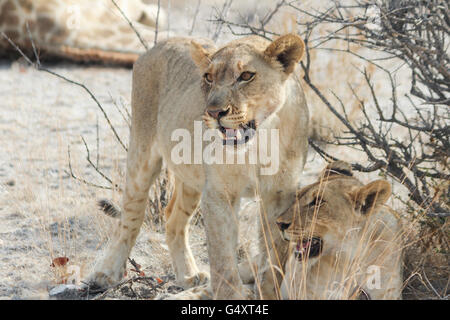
point(325, 212)
point(244, 83)
point(338, 228)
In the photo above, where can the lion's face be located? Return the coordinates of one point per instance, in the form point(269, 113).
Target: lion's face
point(236, 83)
point(324, 213)
point(244, 83)
point(313, 224)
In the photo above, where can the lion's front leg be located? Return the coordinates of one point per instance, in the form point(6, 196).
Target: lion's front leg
point(111, 267)
point(220, 213)
point(143, 166)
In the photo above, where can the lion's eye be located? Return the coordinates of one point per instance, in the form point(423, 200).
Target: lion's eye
point(316, 202)
point(208, 77)
point(246, 76)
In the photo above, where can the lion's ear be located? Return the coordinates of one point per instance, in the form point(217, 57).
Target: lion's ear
point(370, 197)
point(287, 50)
point(200, 56)
point(337, 168)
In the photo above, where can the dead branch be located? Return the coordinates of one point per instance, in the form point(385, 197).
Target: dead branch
point(144, 43)
point(223, 14)
point(81, 179)
point(157, 22)
point(147, 280)
point(414, 32)
point(38, 66)
point(197, 10)
point(95, 166)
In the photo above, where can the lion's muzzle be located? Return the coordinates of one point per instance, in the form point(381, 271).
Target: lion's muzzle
point(241, 135)
point(308, 248)
point(233, 125)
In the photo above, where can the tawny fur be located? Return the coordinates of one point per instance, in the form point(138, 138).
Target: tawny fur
point(169, 93)
point(358, 232)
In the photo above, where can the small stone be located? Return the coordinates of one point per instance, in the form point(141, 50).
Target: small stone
point(65, 291)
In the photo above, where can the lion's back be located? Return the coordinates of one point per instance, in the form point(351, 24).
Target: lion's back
point(165, 80)
point(169, 63)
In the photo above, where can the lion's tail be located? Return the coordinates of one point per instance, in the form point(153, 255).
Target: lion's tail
point(109, 208)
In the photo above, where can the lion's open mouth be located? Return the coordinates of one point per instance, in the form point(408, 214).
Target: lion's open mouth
point(308, 248)
point(240, 135)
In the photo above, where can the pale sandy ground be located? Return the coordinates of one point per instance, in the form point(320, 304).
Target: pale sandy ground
point(44, 213)
point(40, 117)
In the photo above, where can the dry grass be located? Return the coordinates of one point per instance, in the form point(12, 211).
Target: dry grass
point(46, 214)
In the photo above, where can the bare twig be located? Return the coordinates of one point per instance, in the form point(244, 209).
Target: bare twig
point(98, 141)
point(80, 179)
point(197, 10)
point(144, 43)
point(137, 267)
point(416, 33)
point(124, 113)
point(146, 280)
point(431, 286)
point(157, 22)
point(222, 14)
point(38, 66)
point(169, 10)
point(96, 168)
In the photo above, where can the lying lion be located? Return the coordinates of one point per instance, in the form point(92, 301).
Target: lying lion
point(344, 242)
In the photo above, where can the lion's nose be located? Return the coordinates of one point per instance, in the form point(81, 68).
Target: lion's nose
point(283, 226)
point(218, 113)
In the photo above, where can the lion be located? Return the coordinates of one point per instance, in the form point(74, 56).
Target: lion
point(240, 94)
point(345, 243)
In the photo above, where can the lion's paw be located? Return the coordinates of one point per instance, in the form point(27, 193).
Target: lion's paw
point(199, 279)
point(198, 293)
point(103, 280)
